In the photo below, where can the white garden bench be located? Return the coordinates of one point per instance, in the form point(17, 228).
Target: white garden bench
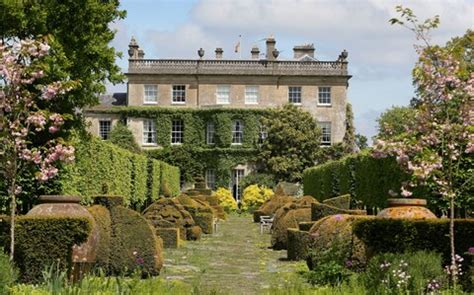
point(266, 222)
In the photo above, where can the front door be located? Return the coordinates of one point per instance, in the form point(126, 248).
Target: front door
point(237, 175)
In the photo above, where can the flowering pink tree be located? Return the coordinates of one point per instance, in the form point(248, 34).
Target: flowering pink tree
point(442, 133)
point(23, 91)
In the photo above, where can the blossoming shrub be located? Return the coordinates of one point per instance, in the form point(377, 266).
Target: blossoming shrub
point(226, 201)
point(254, 196)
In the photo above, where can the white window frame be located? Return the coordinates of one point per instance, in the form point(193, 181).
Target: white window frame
point(149, 132)
point(105, 134)
point(177, 132)
point(292, 92)
point(237, 132)
point(324, 96)
point(176, 91)
point(211, 179)
point(251, 94)
point(223, 94)
point(326, 133)
point(210, 133)
point(150, 95)
point(262, 134)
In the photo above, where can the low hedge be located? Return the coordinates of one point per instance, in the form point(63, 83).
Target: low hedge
point(365, 178)
point(342, 202)
point(133, 244)
point(401, 235)
point(104, 223)
point(42, 241)
point(298, 244)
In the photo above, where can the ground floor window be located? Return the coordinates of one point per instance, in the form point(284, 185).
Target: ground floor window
point(326, 133)
point(104, 129)
point(237, 176)
point(211, 178)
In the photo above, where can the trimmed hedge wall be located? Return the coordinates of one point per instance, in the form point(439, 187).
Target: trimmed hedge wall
point(104, 168)
point(42, 241)
point(401, 235)
point(365, 178)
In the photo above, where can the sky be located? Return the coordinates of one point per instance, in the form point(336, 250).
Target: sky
point(381, 56)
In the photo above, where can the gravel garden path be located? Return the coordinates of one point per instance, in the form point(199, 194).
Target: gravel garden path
point(235, 260)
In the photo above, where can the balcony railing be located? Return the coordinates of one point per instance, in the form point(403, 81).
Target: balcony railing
point(237, 67)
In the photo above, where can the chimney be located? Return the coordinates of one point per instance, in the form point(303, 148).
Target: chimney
point(301, 50)
point(255, 52)
point(134, 51)
point(219, 53)
point(270, 48)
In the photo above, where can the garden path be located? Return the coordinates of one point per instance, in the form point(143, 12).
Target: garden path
point(236, 260)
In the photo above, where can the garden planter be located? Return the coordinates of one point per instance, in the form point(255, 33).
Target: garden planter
point(84, 255)
point(402, 208)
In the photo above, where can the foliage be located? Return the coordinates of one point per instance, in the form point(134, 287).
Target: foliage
point(226, 201)
point(414, 235)
point(254, 196)
point(30, 136)
point(153, 181)
point(292, 144)
point(80, 52)
point(42, 241)
point(262, 179)
point(133, 245)
point(366, 179)
point(170, 179)
point(407, 273)
point(104, 226)
point(123, 137)
point(349, 139)
point(103, 168)
point(361, 141)
point(7, 273)
point(395, 121)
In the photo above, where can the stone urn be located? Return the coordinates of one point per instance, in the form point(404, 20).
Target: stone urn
point(83, 255)
point(406, 208)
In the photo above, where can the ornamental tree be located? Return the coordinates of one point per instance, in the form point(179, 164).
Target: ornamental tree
point(23, 119)
point(431, 150)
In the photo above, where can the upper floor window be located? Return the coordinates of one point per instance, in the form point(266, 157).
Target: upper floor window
point(210, 133)
point(151, 94)
point(251, 94)
point(149, 132)
point(294, 94)
point(237, 132)
point(326, 133)
point(104, 128)
point(324, 97)
point(179, 94)
point(177, 132)
point(211, 178)
point(223, 94)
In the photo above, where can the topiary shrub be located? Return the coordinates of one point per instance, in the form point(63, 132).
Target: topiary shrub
point(335, 234)
point(319, 211)
point(225, 199)
point(134, 245)
point(104, 225)
point(342, 202)
point(169, 213)
point(193, 233)
point(170, 236)
point(270, 206)
point(202, 213)
point(108, 201)
point(287, 217)
point(254, 196)
point(298, 244)
point(42, 241)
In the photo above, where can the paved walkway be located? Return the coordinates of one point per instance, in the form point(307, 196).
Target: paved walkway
point(236, 260)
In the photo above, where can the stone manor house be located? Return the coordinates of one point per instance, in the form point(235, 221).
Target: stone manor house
point(207, 83)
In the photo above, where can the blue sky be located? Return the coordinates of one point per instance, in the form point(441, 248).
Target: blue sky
point(381, 56)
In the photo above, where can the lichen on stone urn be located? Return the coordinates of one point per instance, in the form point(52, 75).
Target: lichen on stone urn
point(406, 209)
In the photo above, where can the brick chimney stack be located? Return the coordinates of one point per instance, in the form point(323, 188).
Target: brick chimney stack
point(270, 48)
point(134, 51)
point(255, 52)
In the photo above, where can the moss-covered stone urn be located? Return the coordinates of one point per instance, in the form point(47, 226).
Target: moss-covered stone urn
point(406, 208)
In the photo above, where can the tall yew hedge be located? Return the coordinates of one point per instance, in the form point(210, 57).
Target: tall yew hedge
point(367, 179)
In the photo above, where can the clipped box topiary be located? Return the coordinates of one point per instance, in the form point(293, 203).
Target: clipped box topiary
point(104, 225)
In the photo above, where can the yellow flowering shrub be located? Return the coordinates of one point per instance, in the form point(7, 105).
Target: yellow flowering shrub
point(225, 199)
point(255, 195)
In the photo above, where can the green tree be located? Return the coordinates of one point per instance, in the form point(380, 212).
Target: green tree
point(349, 141)
point(79, 36)
point(361, 141)
point(123, 137)
point(395, 121)
point(292, 144)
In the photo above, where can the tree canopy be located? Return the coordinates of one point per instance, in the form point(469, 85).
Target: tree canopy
point(292, 143)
